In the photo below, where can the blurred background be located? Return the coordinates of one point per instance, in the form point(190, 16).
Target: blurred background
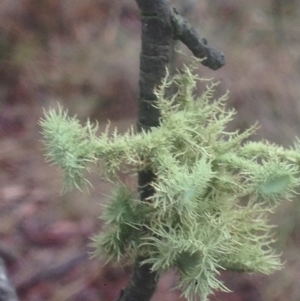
point(85, 55)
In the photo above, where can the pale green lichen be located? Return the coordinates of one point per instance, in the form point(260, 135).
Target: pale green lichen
point(195, 220)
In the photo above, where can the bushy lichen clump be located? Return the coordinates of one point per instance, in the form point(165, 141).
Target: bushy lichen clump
point(195, 221)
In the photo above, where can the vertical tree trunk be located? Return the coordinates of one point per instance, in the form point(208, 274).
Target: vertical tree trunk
point(161, 24)
point(154, 58)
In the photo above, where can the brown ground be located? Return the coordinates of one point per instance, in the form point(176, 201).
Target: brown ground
point(84, 54)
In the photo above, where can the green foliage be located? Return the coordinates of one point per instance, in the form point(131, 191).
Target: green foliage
point(68, 145)
point(213, 191)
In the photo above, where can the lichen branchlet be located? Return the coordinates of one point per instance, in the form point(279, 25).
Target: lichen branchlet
point(195, 220)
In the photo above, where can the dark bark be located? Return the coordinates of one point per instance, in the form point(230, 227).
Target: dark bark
point(161, 25)
point(142, 284)
point(184, 32)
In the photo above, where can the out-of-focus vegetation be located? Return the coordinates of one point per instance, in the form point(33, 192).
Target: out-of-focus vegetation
point(85, 55)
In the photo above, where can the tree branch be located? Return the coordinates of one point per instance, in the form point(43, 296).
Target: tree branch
point(142, 284)
point(184, 32)
point(161, 25)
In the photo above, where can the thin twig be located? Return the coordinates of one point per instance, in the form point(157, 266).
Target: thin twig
point(184, 32)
